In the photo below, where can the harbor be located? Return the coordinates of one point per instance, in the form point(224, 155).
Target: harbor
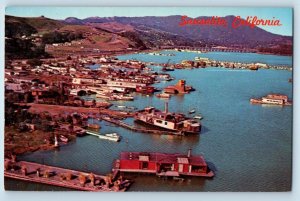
point(214, 102)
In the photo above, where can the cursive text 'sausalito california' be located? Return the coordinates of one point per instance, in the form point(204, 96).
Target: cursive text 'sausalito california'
point(237, 21)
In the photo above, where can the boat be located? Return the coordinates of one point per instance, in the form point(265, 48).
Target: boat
point(145, 89)
point(166, 120)
point(123, 97)
point(192, 111)
point(198, 117)
point(253, 67)
point(81, 133)
point(63, 139)
point(168, 69)
point(163, 164)
point(165, 77)
point(111, 136)
point(163, 95)
point(106, 96)
point(121, 106)
point(94, 126)
point(272, 99)
point(114, 96)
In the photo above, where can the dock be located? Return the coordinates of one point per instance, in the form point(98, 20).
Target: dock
point(72, 179)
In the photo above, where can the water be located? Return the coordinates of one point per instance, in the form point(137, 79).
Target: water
point(248, 145)
point(219, 56)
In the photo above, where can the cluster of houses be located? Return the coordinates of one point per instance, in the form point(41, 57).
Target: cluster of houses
point(68, 77)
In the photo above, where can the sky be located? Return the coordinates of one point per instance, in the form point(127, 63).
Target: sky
point(285, 15)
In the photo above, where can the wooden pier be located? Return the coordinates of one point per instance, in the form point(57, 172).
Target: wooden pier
point(56, 176)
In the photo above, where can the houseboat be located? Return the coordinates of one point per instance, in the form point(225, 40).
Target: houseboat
point(176, 122)
point(163, 164)
point(273, 99)
point(145, 89)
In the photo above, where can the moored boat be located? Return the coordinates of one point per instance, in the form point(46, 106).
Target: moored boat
point(162, 164)
point(145, 89)
point(176, 122)
point(163, 95)
point(111, 136)
point(272, 99)
point(63, 139)
point(93, 126)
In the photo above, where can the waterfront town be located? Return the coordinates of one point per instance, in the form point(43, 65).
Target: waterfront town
point(53, 101)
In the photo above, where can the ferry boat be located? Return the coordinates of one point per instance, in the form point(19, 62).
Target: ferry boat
point(176, 122)
point(163, 164)
point(274, 99)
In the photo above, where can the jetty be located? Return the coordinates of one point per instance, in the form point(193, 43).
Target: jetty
point(62, 177)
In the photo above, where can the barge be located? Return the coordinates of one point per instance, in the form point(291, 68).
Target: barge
point(273, 99)
point(67, 178)
point(175, 122)
point(163, 164)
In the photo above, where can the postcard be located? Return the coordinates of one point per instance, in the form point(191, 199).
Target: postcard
point(113, 99)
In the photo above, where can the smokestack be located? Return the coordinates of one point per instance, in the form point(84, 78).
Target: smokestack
point(189, 153)
point(166, 107)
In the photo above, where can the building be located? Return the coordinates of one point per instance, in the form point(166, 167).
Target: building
point(179, 88)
